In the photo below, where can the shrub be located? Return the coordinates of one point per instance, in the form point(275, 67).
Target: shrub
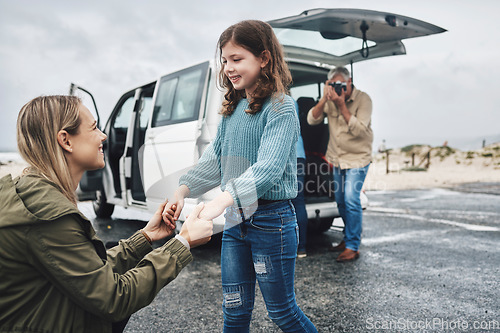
point(409, 148)
point(443, 152)
point(414, 169)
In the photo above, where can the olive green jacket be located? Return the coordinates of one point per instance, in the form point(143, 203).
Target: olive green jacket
point(55, 274)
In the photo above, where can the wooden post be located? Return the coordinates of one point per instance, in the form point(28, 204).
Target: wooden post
point(413, 159)
point(387, 161)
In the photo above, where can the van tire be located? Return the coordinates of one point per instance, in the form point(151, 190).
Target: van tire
point(321, 226)
point(101, 207)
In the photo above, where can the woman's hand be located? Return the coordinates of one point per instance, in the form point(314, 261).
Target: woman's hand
point(157, 229)
point(173, 208)
point(195, 230)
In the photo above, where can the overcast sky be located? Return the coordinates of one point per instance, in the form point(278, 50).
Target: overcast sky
point(444, 89)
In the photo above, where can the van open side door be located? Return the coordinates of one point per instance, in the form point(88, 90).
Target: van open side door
point(91, 180)
point(174, 129)
point(131, 162)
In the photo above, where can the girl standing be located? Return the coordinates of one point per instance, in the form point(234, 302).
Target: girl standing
point(253, 159)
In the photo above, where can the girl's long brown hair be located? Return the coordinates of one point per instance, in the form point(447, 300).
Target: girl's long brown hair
point(38, 123)
point(256, 37)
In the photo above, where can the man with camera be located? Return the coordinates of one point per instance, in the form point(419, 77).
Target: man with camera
point(349, 151)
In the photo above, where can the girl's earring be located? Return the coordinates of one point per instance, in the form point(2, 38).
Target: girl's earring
point(264, 74)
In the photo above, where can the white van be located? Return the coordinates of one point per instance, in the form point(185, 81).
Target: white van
point(157, 131)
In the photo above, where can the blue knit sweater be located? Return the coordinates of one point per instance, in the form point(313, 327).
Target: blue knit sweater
point(253, 156)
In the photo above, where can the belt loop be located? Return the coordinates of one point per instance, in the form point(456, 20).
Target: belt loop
point(292, 206)
point(242, 214)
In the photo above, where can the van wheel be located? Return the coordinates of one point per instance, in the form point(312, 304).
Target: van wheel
point(101, 207)
point(318, 227)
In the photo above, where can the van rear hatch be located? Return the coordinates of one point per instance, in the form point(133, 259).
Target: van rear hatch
point(337, 37)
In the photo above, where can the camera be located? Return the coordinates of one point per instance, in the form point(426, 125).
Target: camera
point(338, 86)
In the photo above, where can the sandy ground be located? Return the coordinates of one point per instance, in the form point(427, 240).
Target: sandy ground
point(447, 168)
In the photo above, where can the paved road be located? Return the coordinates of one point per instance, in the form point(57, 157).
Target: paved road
point(429, 263)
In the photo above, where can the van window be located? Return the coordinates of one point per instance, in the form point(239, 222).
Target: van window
point(164, 102)
point(145, 110)
point(122, 119)
point(310, 90)
point(179, 96)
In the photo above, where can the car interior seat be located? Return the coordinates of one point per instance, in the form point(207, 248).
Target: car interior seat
point(318, 170)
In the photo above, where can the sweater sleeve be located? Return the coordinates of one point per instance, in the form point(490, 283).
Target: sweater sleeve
point(206, 174)
point(278, 142)
point(63, 253)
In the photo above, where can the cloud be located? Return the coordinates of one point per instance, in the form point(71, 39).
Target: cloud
point(445, 84)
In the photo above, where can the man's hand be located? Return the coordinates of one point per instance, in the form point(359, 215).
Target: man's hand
point(339, 100)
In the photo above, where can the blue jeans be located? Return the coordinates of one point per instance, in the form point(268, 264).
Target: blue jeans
point(348, 184)
point(262, 248)
point(300, 204)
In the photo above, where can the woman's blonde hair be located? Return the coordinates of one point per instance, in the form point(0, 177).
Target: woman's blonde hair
point(257, 37)
point(38, 123)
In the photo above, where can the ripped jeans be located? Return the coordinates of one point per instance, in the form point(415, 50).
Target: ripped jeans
point(262, 248)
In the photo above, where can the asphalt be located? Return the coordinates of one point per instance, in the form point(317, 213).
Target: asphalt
point(429, 263)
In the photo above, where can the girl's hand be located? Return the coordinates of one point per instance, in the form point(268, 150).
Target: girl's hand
point(168, 214)
point(217, 206)
point(173, 208)
point(156, 228)
point(211, 211)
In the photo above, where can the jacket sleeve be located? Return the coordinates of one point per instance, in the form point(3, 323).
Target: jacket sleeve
point(315, 121)
point(359, 124)
point(128, 253)
point(62, 251)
